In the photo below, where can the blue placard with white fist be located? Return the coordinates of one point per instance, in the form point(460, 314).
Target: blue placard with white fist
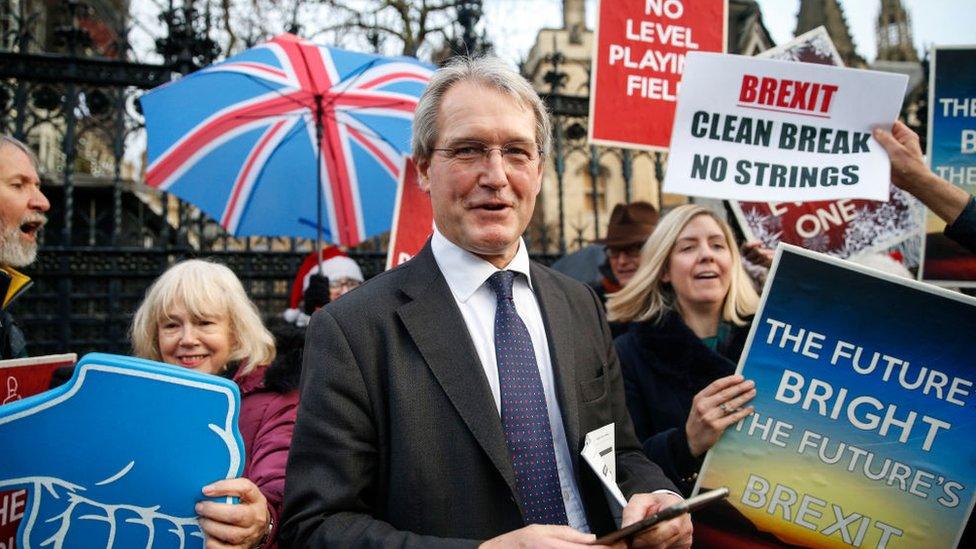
point(119, 455)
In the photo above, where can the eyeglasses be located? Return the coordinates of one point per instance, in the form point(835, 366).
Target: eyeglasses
point(343, 283)
point(632, 252)
point(517, 154)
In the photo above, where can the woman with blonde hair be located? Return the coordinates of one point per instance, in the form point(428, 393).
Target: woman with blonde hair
point(689, 304)
point(197, 315)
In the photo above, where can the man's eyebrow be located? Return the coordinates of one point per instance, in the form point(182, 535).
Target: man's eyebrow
point(21, 178)
point(482, 141)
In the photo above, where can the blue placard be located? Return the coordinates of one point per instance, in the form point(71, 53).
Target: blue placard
point(864, 431)
point(119, 455)
point(952, 115)
point(951, 155)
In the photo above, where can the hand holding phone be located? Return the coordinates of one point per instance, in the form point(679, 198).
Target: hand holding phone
point(667, 513)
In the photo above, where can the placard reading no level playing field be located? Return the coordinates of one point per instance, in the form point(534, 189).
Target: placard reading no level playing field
point(767, 130)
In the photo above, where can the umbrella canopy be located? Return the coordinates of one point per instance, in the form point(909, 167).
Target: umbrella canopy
point(583, 264)
point(245, 139)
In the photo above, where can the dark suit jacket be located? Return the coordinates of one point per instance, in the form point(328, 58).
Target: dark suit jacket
point(398, 440)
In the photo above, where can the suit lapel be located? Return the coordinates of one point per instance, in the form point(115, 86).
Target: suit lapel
point(438, 329)
point(556, 315)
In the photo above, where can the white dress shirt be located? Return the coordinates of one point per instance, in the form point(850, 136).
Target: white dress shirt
point(466, 274)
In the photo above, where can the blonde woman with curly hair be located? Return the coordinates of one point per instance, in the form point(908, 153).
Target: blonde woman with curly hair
point(690, 305)
point(197, 315)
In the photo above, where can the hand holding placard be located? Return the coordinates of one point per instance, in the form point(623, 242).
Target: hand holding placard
point(119, 455)
point(909, 173)
point(768, 130)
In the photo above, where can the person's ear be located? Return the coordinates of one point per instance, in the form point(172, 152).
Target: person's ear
point(423, 172)
point(538, 176)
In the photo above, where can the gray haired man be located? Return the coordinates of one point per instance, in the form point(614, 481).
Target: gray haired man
point(445, 403)
point(22, 207)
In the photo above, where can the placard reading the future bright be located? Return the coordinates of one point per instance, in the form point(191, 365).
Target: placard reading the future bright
point(864, 433)
point(767, 130)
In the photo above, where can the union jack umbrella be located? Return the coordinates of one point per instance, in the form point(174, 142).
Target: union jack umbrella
point(246, 139)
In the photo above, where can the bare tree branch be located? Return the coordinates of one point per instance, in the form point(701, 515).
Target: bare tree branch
point(411, 22)
point(228, 28)
point(412, 26)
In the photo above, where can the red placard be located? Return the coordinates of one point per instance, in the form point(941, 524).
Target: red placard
point(841, 228)
point(24, 377)
point(638, 58)
point(21, 378)
point(413, 219)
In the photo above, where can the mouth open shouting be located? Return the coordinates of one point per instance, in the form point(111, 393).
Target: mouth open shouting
point(32, 227)
point(18, 243)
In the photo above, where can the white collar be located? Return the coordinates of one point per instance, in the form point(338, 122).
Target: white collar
point(465, 272)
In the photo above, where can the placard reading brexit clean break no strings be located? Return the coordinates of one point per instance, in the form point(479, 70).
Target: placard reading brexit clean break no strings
point(767, 130)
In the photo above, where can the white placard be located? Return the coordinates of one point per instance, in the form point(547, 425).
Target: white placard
point(767, 130)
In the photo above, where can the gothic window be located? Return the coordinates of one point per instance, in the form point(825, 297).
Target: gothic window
point(892, 31)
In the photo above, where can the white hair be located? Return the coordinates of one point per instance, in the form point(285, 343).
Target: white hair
point(206, 289)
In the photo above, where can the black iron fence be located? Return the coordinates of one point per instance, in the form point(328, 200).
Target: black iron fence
point(84, 298)
point(69, 89)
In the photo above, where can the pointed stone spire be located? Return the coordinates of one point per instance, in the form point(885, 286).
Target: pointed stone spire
point(574, 13)
point(830, 14)
point(574, 19)
point(894, 28)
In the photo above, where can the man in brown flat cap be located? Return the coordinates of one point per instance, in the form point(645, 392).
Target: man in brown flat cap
point(629, 227)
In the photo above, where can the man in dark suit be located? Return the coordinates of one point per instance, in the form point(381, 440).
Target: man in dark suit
point(446, 402)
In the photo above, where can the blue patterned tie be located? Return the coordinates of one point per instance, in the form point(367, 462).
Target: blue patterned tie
point(524, 414)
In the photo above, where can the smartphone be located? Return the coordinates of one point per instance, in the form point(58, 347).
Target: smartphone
point(667, 513)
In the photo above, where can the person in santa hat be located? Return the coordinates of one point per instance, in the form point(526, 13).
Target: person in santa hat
point(315, 287)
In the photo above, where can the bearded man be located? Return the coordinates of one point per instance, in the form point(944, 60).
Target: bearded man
point(22, 207)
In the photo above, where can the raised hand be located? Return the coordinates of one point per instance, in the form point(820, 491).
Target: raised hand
point(118, 456)
point(714, 408)
point(910, 173)
point(758, 254)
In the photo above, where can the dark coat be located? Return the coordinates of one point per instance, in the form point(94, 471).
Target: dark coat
point(664, 366)
point(266, 422)
point(12, 342)
point(399, 442)
point(963, 228)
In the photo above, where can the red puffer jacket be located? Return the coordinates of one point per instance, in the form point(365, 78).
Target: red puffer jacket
point(266, 422)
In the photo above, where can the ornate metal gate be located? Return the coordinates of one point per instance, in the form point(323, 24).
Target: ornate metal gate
point(68, 88)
